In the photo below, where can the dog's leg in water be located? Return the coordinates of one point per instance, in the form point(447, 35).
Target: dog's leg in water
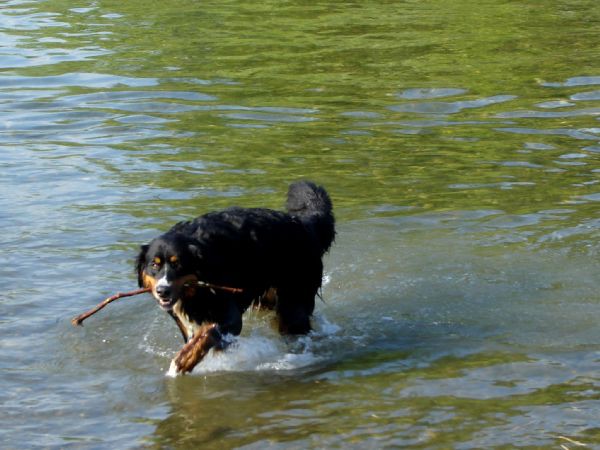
point(208, 336)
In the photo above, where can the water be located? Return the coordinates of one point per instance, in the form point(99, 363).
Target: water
point(460, 142)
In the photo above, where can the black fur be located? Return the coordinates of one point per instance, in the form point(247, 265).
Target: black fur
point(260, 251)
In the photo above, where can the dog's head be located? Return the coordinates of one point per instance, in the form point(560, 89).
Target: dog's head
point(167, 266)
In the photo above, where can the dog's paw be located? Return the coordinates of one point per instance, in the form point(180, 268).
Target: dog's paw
point(186, 360)
point(196, 349)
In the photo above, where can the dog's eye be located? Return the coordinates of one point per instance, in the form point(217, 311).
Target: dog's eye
point(156, 263)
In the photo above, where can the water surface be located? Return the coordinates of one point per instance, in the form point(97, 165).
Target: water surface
point(461, 146)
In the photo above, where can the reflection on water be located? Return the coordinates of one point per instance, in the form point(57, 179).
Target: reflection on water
point(461, 149)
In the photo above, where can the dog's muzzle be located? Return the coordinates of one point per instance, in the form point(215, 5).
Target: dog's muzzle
point(164, 296)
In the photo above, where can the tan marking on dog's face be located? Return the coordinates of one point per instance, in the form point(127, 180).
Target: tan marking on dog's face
point(148, 281)
point(174, 259)
point(157, 261)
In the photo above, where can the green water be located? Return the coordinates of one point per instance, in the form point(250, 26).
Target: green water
point(460, 142)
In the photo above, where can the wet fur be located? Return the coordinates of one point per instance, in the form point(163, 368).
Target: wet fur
point(275, 257)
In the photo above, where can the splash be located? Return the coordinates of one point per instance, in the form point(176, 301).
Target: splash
point(264, 350)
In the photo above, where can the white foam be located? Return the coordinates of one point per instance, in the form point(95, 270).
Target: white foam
point(248, 353)
point(251, 353)
point(324, 327)
point(264, 350)
point(172, 372)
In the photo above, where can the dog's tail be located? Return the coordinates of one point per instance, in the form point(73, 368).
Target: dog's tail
point(312, 206)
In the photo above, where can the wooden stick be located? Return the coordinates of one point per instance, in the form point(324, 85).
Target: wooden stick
point(80, 318)
point(221, 288)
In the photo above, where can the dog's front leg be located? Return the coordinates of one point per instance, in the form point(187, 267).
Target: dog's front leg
point(179, 325)
point(207, 337)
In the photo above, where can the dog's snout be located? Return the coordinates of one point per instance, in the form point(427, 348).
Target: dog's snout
point(163, 291)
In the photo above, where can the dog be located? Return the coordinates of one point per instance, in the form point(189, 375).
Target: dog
point(208, 271)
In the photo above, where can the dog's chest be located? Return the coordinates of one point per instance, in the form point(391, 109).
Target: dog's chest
point(190, 325)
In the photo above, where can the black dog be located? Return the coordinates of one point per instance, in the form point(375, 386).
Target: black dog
point(208, 271)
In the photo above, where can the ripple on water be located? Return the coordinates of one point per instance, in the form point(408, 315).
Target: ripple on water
point(79, 79)
point(573, 81)
point(426, 93)
point(450, 107)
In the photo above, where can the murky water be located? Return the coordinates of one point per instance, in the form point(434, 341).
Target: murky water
point(460, 142)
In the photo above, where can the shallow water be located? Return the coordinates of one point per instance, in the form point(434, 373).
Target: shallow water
point(460, 143)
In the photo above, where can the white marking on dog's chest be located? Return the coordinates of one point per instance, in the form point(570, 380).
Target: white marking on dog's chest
point(189, 325)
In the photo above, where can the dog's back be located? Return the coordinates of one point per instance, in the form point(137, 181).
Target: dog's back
point(311, 205)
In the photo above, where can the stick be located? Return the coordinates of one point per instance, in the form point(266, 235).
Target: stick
point(221, 288)
point(80, 318)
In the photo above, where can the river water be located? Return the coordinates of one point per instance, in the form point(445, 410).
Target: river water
point(460, 142)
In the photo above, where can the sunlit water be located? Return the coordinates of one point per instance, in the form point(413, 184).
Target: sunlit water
point(460, 142)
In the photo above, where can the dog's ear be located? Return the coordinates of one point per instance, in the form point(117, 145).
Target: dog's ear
point(140, 263)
